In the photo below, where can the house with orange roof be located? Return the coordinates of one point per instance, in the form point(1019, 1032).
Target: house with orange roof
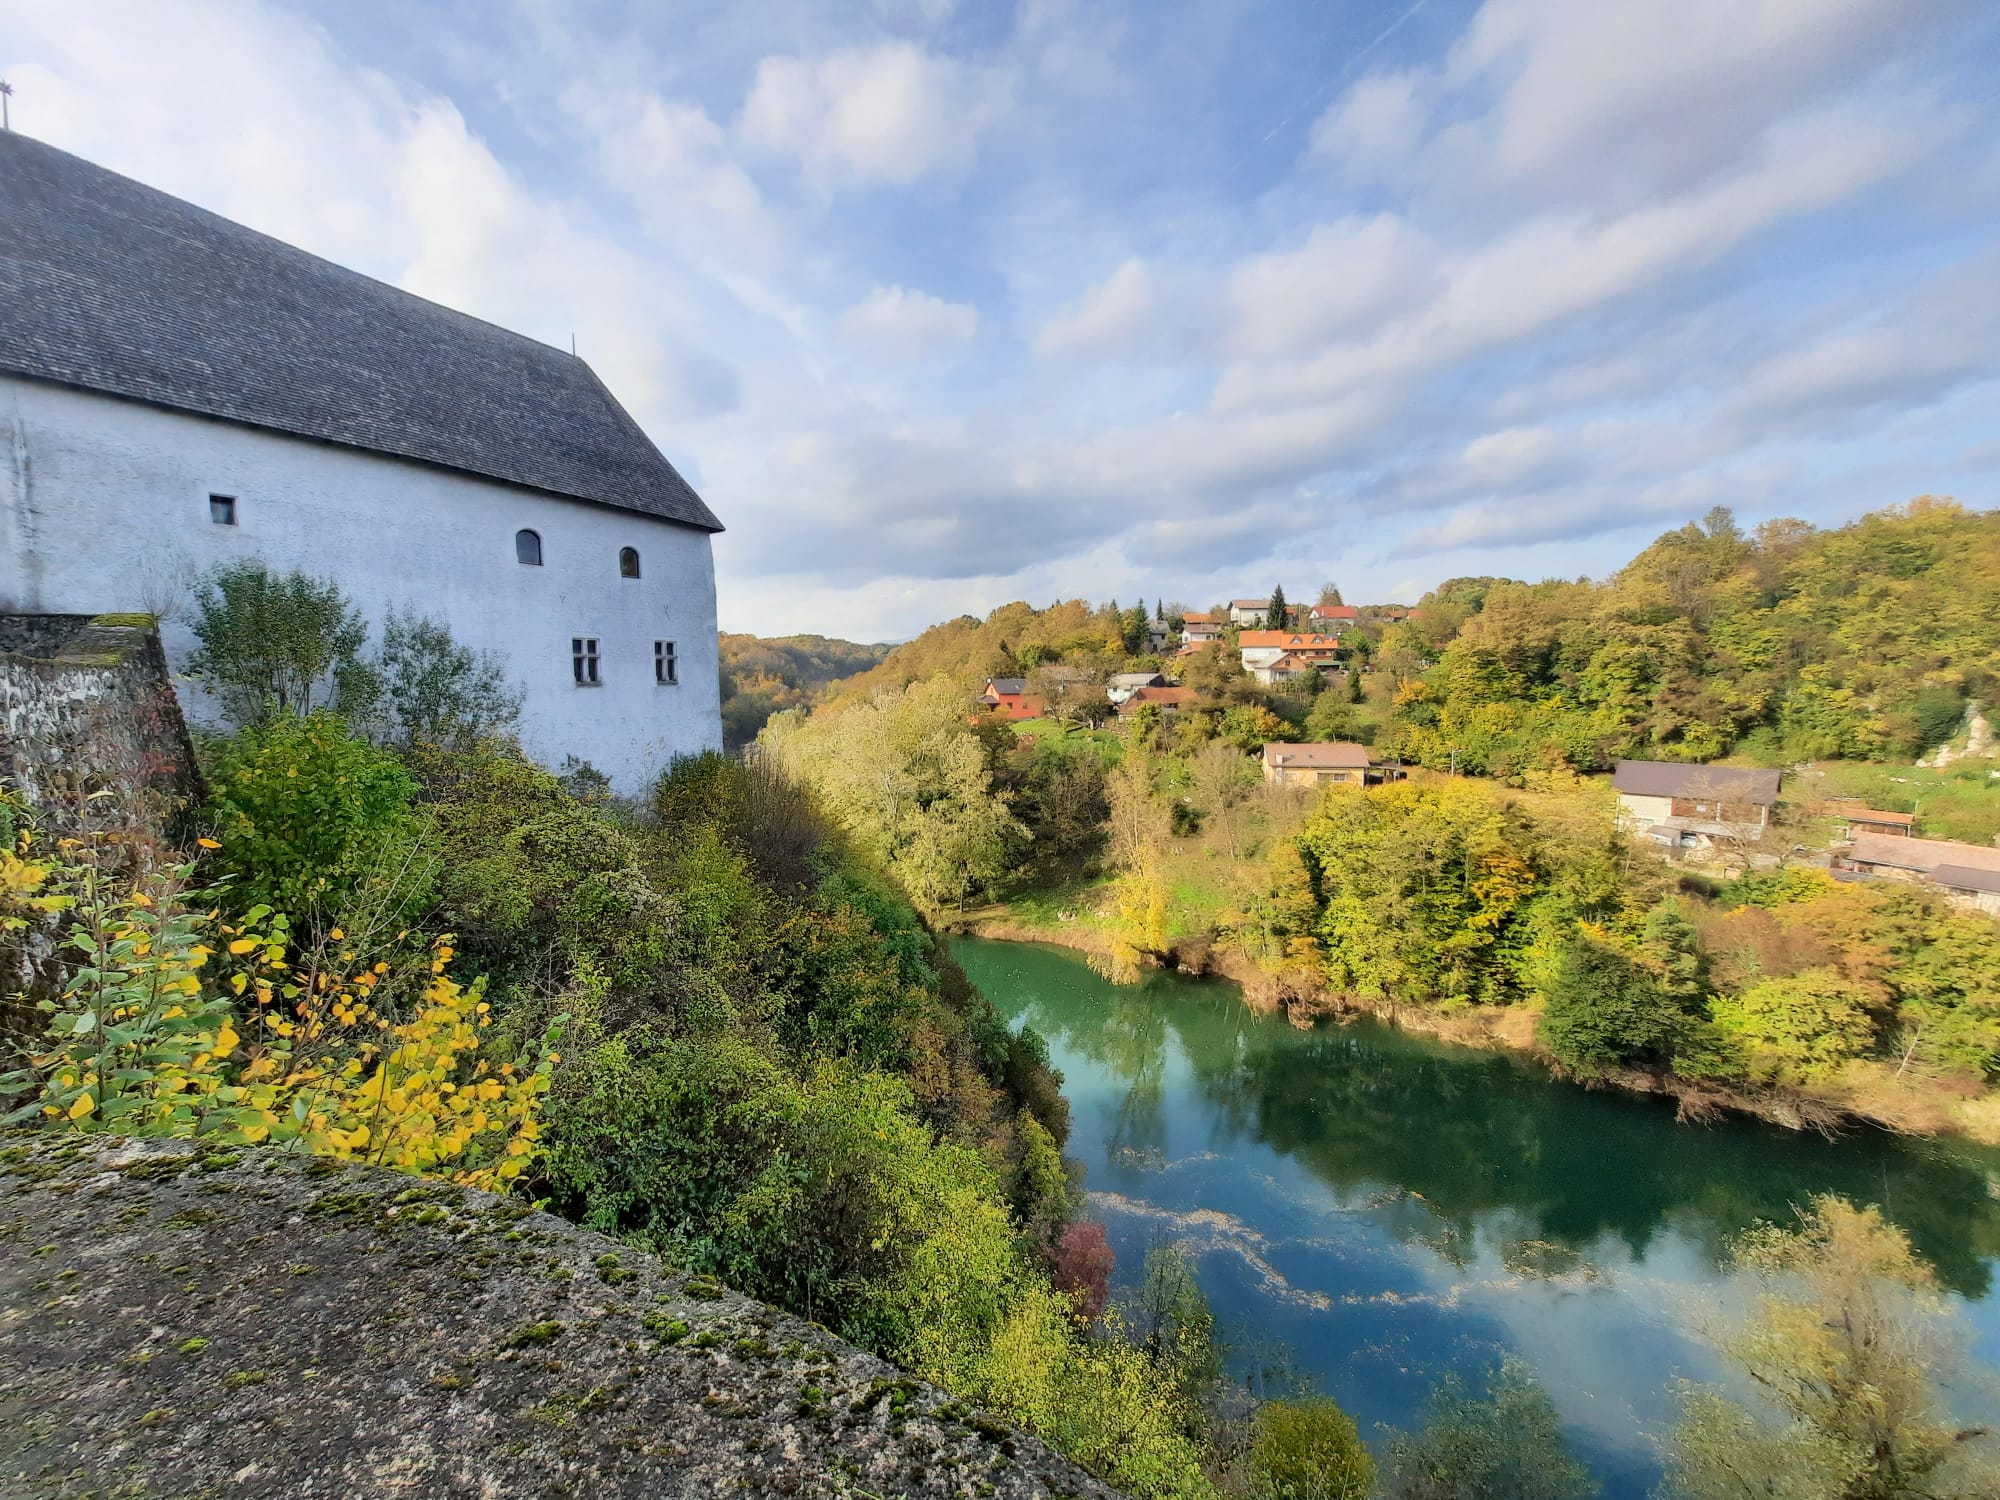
point(1262, 647)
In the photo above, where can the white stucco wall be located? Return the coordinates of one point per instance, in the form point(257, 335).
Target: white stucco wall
point(1642, 812)
point(104, 506)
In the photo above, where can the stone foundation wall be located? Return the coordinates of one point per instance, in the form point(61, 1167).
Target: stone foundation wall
point(91, 736)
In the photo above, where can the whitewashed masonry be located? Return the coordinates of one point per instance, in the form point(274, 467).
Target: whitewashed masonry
point(177, 392)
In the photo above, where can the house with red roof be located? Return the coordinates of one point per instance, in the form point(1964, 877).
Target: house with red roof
point(1009, 698)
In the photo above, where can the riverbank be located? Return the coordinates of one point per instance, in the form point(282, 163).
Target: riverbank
point(1299, 996)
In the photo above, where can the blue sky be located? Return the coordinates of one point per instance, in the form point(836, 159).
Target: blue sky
point(943, 304)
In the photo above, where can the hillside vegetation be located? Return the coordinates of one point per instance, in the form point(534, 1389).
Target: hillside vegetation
point(763, 676)
point(1506, 898)
point(1865, 642)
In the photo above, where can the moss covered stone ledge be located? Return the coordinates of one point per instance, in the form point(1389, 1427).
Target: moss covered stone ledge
point(178, 1320)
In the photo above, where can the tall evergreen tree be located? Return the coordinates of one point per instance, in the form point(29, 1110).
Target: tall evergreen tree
point(1278, 617)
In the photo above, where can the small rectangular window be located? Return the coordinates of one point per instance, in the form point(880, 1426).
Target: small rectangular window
point(583, 659)
point(666, 670)
point(222, 509)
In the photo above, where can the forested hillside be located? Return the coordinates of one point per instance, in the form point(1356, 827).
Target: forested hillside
point(1864, 642)
point(1013, 640)
point(761, 677)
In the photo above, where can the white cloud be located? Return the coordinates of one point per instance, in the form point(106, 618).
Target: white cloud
point(1652, 95)
point(1517, 294)
point(1349, 274)
point(673, 160)
point(1552, 268)
point(897, 316)
point(890, 113)
point(1107, 318)
point(1374, 128)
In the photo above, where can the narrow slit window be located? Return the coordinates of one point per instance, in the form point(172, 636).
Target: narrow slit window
point(628, 562)
point(222, 509)
point(666, 669)
point(583, 660)
point(528, 548)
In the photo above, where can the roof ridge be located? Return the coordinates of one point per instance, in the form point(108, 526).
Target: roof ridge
point(112, 286)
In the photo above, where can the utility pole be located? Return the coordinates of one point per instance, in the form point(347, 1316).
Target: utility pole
point(6, 93)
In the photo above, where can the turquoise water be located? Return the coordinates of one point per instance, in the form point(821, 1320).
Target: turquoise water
point(1368, 1210)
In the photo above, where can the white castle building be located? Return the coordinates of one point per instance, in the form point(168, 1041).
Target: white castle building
point(178, 392)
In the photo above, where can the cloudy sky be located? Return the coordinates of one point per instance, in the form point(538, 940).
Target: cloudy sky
point(944, 303)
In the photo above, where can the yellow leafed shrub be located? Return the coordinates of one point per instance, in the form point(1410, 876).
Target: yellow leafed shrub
point(174, 1022)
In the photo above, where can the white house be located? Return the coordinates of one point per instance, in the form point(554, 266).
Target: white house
point(1249, 611)
point(1124, 684)
point(178, 392)
point(1200, 629)
point(1691, 806)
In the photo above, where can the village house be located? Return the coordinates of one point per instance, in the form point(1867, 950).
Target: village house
point(1260, 648)
point(1335, 762)
point(1333, 617)
point(1853, 819)
point(1692, 807)
point(1010, 699)
point(1283, 669)
point(1967, 874)
point(1249, 611)
point(1124, 684)
point(183, 393)
point(1169, 700)
point(1199, 630)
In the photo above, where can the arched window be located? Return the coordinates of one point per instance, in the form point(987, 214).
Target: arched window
point(528, 548)
point(628, 562)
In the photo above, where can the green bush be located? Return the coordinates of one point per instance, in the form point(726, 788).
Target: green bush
point(279, 643)
point(1308, 1450)
point(317, 823)
point(435, 690)
point(1802, 1026)
point(1605, 1010)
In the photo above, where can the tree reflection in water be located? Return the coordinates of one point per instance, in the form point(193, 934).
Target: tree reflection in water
point(1445, 1144)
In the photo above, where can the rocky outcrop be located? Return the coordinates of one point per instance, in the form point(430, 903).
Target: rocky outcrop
point(179, 1320)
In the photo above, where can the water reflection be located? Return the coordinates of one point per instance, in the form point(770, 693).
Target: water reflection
point(1369, 1210)
point(1468, 1137)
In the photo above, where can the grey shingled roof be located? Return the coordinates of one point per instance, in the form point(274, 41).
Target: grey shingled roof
point(1666, 778)
point(1925, 855)
point(114, 287)
point(1965, 878)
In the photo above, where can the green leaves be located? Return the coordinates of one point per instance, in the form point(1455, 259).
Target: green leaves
point(278, 643)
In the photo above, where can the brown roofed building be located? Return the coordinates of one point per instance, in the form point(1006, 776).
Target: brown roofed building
point(1169, 700)
point(1874, 820)
point(1337, 761)
point(1967, 874)
point(1692, 806)
point(1198, 630)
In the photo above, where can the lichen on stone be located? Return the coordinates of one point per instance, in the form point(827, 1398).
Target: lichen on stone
point(338, 1330)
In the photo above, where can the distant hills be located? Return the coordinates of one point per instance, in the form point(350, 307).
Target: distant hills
point(761, 677)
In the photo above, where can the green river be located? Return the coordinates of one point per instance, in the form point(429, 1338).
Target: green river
point(1368, 1209)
